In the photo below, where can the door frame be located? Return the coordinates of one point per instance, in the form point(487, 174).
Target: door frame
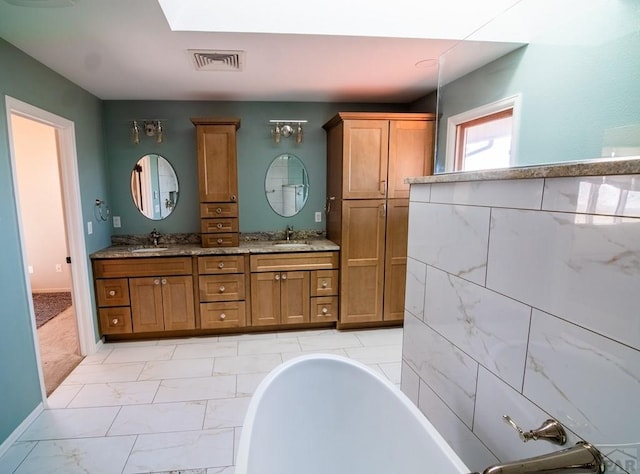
point(74, 227)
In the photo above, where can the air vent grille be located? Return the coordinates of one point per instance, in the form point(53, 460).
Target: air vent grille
point(207, 60)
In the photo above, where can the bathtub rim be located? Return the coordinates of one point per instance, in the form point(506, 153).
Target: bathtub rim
point(242, 456)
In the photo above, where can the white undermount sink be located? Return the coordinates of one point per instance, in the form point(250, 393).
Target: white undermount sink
point(149, 249)
point(292, 245)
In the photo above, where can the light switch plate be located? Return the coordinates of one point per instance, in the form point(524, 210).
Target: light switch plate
point(318, 216)
point(116, 221)
point(89, 227)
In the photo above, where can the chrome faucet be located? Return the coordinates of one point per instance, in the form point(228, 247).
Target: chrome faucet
point(289, 232)
point(583, 458)
point(154, 236)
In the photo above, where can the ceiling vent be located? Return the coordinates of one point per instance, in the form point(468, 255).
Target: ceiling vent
point(210, 60)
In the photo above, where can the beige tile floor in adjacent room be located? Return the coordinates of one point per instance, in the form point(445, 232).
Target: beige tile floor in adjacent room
point(173, 405)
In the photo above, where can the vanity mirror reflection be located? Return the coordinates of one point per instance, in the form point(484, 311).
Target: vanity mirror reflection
point(286, 185)
point(154, 187)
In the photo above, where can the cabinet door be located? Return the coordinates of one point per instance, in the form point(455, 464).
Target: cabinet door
point(395, 259)
point(146, 304)
point(410, 154)
point(294, 297)
point(362, 261)
point(217, 167)
point(177, 302)
point(365, 157)
point(265, 298)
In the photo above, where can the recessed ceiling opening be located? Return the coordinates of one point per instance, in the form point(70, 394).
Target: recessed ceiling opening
point(213, 60)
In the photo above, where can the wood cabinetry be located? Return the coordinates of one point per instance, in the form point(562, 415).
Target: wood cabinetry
point(287, 288)
point(218, 180)
point(369, 155)
point(222, 285)
point(144, 295)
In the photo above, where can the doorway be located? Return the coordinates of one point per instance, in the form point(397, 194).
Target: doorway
point(46, 186)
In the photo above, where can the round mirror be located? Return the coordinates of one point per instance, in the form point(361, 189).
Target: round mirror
point(154, 187)
point(286, 185)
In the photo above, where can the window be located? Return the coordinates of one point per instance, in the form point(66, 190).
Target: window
point(482, 138)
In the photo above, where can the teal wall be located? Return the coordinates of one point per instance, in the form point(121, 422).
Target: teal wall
point(573, 93)
point(256, 150)
point(25, 79)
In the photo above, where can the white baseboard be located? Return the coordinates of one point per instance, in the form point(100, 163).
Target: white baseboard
point(13, 437)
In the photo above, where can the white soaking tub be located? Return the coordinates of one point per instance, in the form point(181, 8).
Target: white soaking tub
point(325, 414)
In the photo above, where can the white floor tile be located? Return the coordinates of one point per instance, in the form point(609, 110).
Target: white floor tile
point(159, 418)
point(206, 350)
point(221, 470)
point(16, 453)
point(292, 355)
point(268, 346)
point(380, 337)
point(98, 357)
point(176, 369)
point(226, 412)
point(252, 336)
point(375, 354)
point(103, 373)
point(186, 450)
point(117, 393)
point(330, 341)
point(71, 423)
point(246, 364)
point(196, 388)
point(392, 371)
point(79, 456)
point(306, 332)
point(247, 383)
point(140, 354)
point(62, 396)
point(188, 340)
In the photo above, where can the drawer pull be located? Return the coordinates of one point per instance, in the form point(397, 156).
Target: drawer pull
point(220, 241)
point(277, 277)
point(284, 276)
point(233, 197)
point(219, 225)
point(115, 321)
point(222, 288)
point(112, 293)
point(156, 282)
point(219, 210)
point(221, 265)
point(325, 310)
point(222, 316)
point(324, 284)
point(164, 281)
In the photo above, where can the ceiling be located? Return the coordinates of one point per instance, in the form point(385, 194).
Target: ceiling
point(317, 51)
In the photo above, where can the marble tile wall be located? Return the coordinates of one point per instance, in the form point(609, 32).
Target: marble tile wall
point(523, 298)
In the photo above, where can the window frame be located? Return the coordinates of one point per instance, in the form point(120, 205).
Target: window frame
point(477, 115)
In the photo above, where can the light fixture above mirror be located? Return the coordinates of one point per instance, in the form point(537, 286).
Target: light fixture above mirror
point(287, 128)
point(148, 127)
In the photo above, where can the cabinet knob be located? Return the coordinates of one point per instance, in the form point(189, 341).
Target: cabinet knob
point(164, 281)
point(221, 265)
point(284, 276)
point(112, 293)
point(222, 288)
point(222, 316)
point(324, 284)
point(233, 197)
point(277, 277)
point(219, 225)
point(115, 321)
point(156, 282)
point(325, 310)
point(220, 241)
point(219, 210)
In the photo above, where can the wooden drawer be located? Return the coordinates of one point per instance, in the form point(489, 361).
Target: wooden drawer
point(112, 292)
point(217, 264)
point(218, 209)
point(324, 282)
point(278, 262)
point(324, 308)
point(115, 320)
point(219, 226)
point(220, 240)
point(222, 315)
point(142, 266)
point(221, 287)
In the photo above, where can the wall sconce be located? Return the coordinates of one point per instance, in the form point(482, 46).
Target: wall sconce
point(286, 129)
point(150, 127)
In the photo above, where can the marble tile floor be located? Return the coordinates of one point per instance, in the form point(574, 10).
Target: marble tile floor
point(173, 406)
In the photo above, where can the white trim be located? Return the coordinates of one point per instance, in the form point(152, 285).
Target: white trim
point(21, 428)
point(71, 199)
point(513, 102)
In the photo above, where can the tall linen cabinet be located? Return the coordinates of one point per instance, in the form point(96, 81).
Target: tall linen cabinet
point(369, 155)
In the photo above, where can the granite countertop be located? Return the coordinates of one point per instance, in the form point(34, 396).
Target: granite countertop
point(601, 167)
point(191, 249)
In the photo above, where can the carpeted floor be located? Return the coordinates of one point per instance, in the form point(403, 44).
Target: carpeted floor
point(49, 305)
